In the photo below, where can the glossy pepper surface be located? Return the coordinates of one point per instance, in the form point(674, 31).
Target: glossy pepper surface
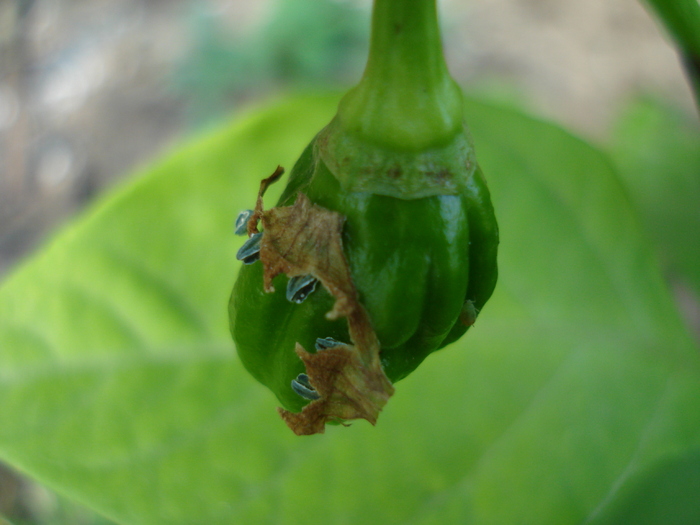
point(395, 174)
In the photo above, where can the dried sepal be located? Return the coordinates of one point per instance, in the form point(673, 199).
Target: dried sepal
point(348, 389)
point(306, 239)
point(257, 213)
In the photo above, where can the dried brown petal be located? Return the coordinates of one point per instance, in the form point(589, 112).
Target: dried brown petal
point(305, 239)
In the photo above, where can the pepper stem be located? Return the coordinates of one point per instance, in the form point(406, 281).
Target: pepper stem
point(406, 98)
point(400, 132)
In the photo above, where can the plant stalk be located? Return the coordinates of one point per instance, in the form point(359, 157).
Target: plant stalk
point(682, 21)
point(406, 98)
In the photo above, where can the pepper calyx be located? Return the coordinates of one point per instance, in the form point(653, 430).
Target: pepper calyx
point(363, 166)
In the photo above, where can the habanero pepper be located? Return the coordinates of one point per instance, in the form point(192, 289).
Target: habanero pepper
point(382, 248)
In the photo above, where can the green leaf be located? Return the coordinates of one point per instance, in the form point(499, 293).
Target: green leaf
point(657, 150)
point(666, 493)
point(119, 386)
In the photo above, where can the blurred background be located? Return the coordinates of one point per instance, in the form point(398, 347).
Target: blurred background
point(92, 89)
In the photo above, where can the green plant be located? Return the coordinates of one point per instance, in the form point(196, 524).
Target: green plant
point(575, 399)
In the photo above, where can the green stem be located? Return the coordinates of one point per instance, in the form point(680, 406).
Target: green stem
point(406, 98)
point(682, 21)
point(400, 131)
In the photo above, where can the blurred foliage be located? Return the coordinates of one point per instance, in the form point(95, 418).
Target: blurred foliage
point(301, 44)
point(666, 495)
point(64, 512)
point(578, 386)
point(657, 150)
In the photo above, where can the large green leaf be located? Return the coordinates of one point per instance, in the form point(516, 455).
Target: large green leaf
point(657, 150)
point(119, 386)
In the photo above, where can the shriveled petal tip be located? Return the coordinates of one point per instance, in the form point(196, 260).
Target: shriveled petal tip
point(304, 241)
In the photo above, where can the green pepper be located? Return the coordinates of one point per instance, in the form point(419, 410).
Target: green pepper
point(414, 258)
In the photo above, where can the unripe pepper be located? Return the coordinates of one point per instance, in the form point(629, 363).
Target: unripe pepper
point(382, 248)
